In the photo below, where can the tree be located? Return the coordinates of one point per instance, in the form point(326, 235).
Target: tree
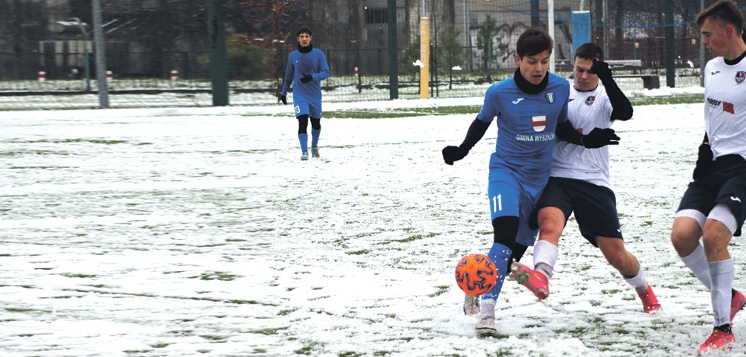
point(450, 51)
point(277, 15)
point(410, 54)
point(163, 27)
point(17, 36)
point(490, 41)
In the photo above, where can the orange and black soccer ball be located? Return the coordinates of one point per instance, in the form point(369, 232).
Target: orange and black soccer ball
point(476, 274)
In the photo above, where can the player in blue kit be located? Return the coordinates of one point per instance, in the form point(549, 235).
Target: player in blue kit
point(580, 183)
point(529, 109)
point(306, 69)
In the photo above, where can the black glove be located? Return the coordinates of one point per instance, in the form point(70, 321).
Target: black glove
point(284, 99)
point(453, 153)
point(599, 137)
point(704, 161)
point(307, 78)
point(601, 69)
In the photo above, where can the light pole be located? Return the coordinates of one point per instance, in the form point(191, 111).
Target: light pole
point(701, 52)
point(98, 37)
point(605, 21)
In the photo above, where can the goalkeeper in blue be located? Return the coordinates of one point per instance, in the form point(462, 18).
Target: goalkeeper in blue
point(306, 69)
point(530, 109)
point(579, 182)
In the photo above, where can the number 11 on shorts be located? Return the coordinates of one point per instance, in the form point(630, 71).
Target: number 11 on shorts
point(497, 203)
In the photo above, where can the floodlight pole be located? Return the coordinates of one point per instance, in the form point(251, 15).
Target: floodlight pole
point(218, 52)
point(98, 38)
point(393, 52)
point(605, 21)
point(701, 51)
point(550, 25)
point(670, 45)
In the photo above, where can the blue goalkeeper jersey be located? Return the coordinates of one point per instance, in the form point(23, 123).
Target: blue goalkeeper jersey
point(526, 125)
point(299, 65)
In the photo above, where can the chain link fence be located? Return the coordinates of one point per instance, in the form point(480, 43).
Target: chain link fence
point(472, 46)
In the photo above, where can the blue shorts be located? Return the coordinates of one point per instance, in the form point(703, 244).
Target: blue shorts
point(510, 197)
point(307, 108)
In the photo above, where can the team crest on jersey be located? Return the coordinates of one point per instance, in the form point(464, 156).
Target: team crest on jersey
point(550, 97)
point(589, 101)
point(539, 123)
point(740, 76)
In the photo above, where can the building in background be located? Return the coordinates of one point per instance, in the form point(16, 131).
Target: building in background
point(150, 38)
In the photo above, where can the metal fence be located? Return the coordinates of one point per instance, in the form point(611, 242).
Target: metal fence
point(626, 29)
point(63, 62)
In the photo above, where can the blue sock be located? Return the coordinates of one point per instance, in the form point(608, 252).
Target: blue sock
point(315, 138)
point(303, 138)
point(500, 255)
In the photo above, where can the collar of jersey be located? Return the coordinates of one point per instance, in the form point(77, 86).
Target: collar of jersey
point(527, 87)
point(305, 49)
point(736, 60)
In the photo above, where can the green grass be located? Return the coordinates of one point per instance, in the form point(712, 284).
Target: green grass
point(401, 112)
point(217, 275)
point(675, 99)
point(441, 289)
point(388, 113)
point(310, 348)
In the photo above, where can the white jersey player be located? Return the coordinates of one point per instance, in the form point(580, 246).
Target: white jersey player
point(579, 183)
point(712, 207)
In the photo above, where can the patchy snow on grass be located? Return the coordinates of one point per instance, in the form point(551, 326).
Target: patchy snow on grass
point(198, 231)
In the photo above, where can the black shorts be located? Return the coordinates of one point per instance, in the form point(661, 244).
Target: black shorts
point(594, 206)
point(724, 184)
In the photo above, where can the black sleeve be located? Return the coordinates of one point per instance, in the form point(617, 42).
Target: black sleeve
point(622, 108)
point(475, 133)
point(567, 132)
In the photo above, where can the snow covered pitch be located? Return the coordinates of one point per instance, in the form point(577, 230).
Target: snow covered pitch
point(199, 232)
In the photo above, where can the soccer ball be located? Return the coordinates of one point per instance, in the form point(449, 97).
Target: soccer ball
point(476, 274)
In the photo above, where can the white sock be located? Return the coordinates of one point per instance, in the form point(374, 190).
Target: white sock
point(545, 256)
point(638, 281)
point(697, 263)
point(722, 283)
point(487, 307)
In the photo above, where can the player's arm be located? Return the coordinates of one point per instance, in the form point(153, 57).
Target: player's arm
point(323, 72)
point(321, 68)
point(289, 74)
point(473, 135)
point(595, 139)
point(622, 108)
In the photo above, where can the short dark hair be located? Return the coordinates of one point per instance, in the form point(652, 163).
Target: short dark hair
point(303, 29)
point(590, 51)
point(533, 41)
point(724, 11)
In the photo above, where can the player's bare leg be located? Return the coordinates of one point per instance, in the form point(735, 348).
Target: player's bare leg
point(627, 264)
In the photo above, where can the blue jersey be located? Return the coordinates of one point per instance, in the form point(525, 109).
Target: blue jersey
point(526, 124)
point(519, 167)
point(306, 96)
